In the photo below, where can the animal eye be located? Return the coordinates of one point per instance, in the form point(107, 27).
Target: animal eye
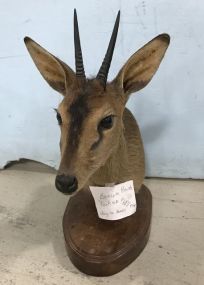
point(106, 123)
point(59, 118)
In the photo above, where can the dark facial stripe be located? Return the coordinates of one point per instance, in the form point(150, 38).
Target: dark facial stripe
point(78, 112)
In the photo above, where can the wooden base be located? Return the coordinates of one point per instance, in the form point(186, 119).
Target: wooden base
point(99, 247)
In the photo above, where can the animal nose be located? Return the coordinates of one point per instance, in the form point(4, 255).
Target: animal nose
point(66, 184)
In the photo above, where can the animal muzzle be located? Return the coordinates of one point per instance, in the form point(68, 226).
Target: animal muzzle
point(66, 184)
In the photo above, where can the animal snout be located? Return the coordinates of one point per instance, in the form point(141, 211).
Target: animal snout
point(66, 184)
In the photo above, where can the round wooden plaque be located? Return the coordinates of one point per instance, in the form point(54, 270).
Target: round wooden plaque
point(99, 247)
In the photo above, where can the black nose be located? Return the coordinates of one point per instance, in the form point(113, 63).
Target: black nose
point(66, 184)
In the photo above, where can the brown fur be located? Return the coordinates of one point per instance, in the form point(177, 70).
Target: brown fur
point(95, 157)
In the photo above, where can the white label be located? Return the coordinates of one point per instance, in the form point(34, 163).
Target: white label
point(115, 202)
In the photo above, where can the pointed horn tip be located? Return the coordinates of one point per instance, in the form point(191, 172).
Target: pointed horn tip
point(78, 53)
point(104, 69)
point(118, 18)
point(75, 18)
point(75, 13)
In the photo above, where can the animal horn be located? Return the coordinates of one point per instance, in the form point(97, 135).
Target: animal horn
point(103, 71)
point(78, 53)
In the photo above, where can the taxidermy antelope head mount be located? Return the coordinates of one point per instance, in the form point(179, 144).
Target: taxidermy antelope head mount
point(100, 140)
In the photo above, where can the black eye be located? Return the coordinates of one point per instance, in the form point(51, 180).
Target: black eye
point(106, 123)
point(59, 118)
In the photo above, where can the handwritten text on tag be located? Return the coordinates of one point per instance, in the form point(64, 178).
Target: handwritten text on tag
point(115, 202)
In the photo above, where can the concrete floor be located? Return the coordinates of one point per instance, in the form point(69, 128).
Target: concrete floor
point(31, 240)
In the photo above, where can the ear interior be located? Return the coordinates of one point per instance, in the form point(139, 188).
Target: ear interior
point(54, 71)
point(142, 65)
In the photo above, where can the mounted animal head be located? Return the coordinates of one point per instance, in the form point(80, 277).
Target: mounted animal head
point(90, 115)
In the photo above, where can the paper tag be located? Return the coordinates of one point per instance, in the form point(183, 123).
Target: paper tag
point(115, 202)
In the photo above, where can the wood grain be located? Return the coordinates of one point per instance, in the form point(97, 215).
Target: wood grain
point(99, 247)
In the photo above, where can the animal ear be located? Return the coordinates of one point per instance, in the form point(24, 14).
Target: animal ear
point(142, 65)
point(57, 74)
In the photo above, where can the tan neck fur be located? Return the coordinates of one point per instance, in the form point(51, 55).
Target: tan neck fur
point(127, 161)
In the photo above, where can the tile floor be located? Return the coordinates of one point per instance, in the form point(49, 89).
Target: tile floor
point(32, 249)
